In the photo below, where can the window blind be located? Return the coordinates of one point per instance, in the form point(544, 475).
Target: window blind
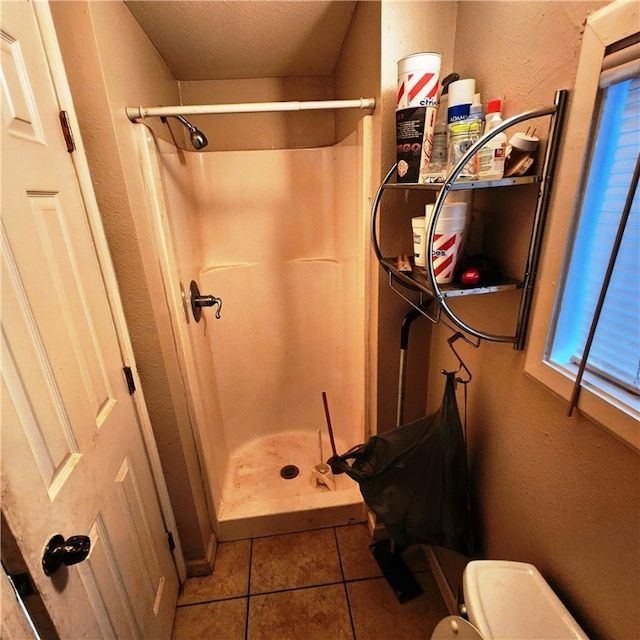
point(615, 349)
point(620, 65)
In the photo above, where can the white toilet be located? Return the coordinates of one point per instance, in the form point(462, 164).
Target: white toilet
point(508, 601)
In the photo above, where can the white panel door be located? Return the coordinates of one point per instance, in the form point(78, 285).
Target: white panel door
point(73, 458)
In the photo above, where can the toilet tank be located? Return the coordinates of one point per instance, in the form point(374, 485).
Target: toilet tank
point(512, 600)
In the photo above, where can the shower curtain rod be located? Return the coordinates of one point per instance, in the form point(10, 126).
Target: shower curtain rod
point(136, 113)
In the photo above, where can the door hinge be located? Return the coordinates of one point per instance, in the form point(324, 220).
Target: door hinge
point(172, 543)
point(66, 131)
point(131, 384)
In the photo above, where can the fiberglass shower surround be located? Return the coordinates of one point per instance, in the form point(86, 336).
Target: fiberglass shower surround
point(286, 254)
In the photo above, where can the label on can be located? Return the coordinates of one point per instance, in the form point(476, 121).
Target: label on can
point(414, 141)
point(458, 112)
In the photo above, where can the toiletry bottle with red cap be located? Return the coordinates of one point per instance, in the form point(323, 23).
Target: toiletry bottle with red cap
point(491, 155)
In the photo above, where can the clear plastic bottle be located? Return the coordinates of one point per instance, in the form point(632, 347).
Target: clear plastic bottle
point(492, 155)
point(476, 110)
point(439, 151)
point(462, 135)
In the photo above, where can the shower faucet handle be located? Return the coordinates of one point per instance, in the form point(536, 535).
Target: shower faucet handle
point(209, 301)
point(198, 301)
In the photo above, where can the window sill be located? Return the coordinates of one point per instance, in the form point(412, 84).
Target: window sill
point(618, 412)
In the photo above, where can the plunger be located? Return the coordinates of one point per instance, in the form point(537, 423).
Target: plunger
point(333, 461)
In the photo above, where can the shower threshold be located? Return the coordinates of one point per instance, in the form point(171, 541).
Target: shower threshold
point(258, 501)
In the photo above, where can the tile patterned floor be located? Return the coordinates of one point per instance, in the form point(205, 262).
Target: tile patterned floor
point(316, 585)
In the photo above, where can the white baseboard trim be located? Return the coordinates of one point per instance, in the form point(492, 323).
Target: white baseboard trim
point(449, 597)
point(203, 566)
point(377, 530)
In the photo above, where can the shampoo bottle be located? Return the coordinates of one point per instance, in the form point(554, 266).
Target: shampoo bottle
point(492, 154)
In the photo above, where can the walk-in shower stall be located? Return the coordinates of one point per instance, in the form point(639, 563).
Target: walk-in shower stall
point(280, 237)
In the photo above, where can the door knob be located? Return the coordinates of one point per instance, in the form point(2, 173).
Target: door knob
point(198, 301)
point(60, 551)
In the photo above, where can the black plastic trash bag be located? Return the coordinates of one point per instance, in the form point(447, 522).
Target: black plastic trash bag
point(414, 478)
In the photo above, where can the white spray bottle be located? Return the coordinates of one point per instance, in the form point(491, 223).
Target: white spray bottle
point(492, 155)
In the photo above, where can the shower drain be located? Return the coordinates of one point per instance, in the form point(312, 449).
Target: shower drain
point(289, 471)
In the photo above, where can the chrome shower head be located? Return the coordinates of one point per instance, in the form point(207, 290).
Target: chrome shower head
point(198, 139)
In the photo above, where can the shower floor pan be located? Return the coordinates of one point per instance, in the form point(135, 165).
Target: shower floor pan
point(258, 501)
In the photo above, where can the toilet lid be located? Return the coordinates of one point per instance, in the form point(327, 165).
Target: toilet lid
point(513, 600)
point(455, 627)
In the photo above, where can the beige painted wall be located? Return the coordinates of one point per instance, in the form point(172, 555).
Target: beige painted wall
point(555, 491)
point(99, 41)
point(357, 72)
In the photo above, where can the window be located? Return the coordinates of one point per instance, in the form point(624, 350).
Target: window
point(614, 352)
point(602, 144)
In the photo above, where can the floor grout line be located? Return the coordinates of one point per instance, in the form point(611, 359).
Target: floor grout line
point(344, 583)
point(335, 537)
point(201, 602)
point(247, 610)
point(346, 595)
point(305, 587)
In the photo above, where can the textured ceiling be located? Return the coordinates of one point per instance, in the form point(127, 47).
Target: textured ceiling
point(215, 40)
